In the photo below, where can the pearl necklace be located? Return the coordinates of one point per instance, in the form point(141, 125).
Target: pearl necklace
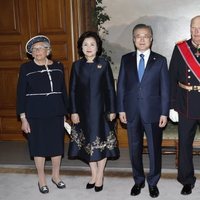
point(46, 62)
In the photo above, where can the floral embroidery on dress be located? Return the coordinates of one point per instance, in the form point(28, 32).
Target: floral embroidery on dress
point(79, 138)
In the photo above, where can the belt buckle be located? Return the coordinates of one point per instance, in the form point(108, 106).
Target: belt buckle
point(195, 87)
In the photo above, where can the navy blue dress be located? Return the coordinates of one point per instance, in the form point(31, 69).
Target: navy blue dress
point(92, 96)
point(42, 96)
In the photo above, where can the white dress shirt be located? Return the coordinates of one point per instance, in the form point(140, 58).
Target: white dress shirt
point(146, 57)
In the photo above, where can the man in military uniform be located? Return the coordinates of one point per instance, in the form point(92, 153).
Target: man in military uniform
point(185, 101)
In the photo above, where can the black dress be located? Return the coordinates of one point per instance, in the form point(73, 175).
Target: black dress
point(92, 96)
point(42, 96)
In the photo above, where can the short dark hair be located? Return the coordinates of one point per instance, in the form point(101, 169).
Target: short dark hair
point(139, 26)
point(89, 34)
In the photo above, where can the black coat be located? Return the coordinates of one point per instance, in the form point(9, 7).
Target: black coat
point(92, 96)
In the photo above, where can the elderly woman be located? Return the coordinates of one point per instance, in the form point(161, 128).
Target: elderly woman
point(42, 106)
point(92, 97)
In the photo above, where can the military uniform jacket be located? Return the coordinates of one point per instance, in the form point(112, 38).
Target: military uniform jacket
point(41, 93)
point(183, 101)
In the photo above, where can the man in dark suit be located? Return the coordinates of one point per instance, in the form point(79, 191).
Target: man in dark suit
point(143, 104)
point(185, 98)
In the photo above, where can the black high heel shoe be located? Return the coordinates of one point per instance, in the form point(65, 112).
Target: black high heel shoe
point(98, 188)
point(44, 189)
point(90, 185)
point(60, 184)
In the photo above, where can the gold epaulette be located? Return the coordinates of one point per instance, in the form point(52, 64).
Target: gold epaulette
point(181, 41)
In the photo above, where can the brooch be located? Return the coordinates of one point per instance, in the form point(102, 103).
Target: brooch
point(99, 66)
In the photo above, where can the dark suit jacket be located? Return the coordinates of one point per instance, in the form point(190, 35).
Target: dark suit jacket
point(150, 98)
point(34, 79)
point(186, 103)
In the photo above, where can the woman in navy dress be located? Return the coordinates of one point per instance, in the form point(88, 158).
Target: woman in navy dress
point(42, 106)
point(92, 105)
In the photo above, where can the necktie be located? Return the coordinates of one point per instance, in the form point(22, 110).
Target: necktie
point(141, 67)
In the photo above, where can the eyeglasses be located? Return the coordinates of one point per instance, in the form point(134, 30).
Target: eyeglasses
point(195, 28)
point(38, 48)
point(142, 37)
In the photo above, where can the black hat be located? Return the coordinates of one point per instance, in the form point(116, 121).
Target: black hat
point(35, 39)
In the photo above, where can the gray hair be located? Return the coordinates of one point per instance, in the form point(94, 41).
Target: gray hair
point(198, 16)
point(48, 46)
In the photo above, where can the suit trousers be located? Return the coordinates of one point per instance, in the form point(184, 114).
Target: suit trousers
point(186, 133)
point(136, 130)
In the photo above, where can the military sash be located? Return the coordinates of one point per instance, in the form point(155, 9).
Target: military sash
point(189, 58)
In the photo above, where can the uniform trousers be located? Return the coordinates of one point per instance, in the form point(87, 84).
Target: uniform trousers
point(186, 133)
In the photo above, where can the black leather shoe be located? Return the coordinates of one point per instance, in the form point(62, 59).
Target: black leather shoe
point(98, 188)
point(187, 189)
point(90, 185)
point(136, 189)
point(44, 189)
point(153, 191)
point(60, 184)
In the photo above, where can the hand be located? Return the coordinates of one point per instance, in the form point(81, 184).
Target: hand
point(112, 116)
point(122, 117)
point(173, 115)
point(25, 126)
point(75, 118)
point(163, 121)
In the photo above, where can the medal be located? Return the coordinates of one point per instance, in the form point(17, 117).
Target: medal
point(197, 54)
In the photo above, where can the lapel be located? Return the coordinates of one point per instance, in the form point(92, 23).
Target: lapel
point(150, 62)
point(134, 63)
point(133, 66)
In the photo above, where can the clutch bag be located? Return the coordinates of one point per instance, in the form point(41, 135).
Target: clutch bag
point(67, 127)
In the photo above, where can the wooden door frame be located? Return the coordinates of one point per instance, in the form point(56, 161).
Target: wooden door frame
point(82, 20)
